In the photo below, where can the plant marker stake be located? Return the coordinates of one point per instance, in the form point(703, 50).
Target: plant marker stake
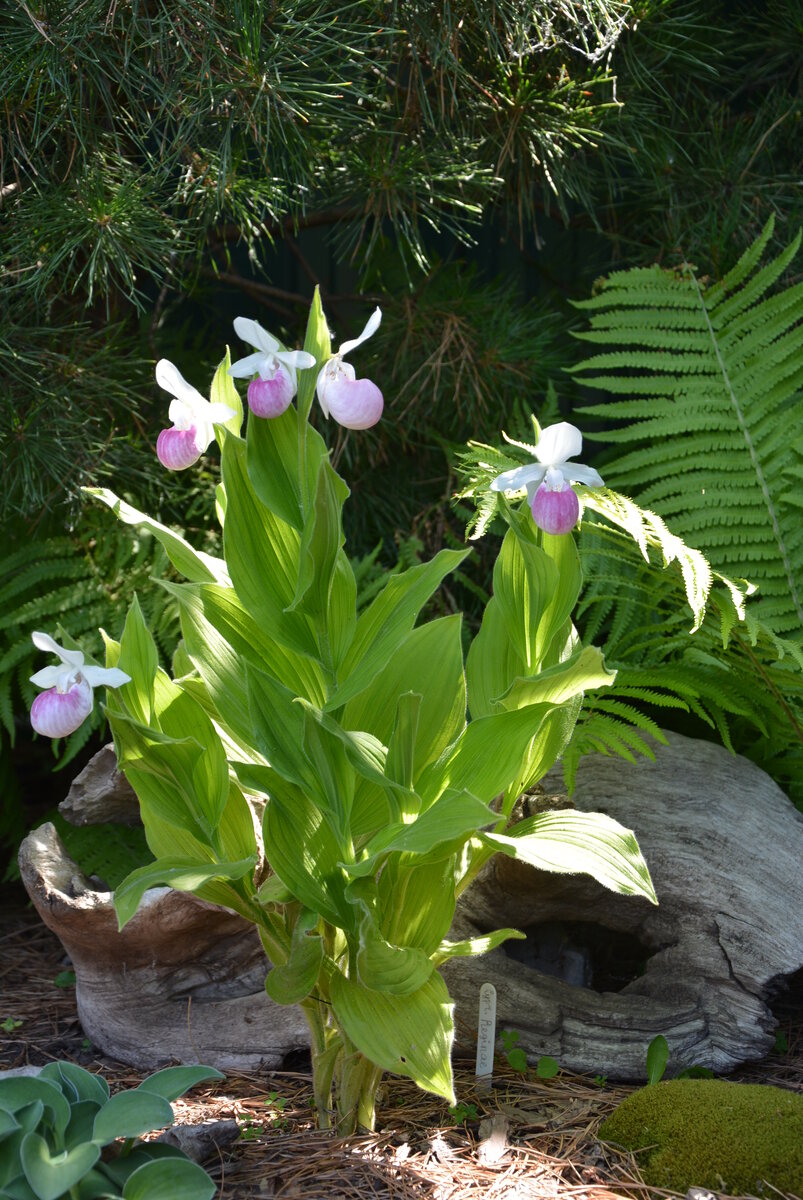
point(486, 1036)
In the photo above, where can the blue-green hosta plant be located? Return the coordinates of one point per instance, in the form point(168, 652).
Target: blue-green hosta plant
point(64, 1137)
point(316, 771)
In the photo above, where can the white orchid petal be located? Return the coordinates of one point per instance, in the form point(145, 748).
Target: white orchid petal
point(577, 473)
point(180, 415)
point(48, 677)
point(371, 327)
point(518, 478)
point(558, 442)
point(244, 368)
point(216, 414)
point(253, 333)
point(320, 388)
point(555, 479)
point(170, 378)
point(43, 641)
point(299, 359)
point(106, 676)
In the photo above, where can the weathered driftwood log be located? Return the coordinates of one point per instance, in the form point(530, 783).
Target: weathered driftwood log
point(724, 846)
point(184, 980)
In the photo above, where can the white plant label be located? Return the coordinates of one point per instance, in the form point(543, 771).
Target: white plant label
point(486, 1036)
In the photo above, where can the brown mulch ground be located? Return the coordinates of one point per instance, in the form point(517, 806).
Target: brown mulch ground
point(419, 1153)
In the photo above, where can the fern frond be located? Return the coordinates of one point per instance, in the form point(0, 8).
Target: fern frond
point(710, 382)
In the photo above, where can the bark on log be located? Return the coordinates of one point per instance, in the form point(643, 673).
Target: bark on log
point(724, 847)
point(184, 980)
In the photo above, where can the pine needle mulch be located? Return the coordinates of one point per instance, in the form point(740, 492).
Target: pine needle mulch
point(543, 1142)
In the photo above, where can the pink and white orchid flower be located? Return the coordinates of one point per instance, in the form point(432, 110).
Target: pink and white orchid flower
point(68, 701)
point(553, 502)
point(354, 403)
point(193, 420)
point(270, 393)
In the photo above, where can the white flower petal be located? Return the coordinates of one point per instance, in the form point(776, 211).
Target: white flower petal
point(180, 415)
point(577, 473)
point(558, 442)
point(108, 676)
point(43, 641)
point(253, 333)
point(371, 327)
point(244, 368)
point(48, 677)
point(216, 414)
point(299, 359)
point(518, 478)
point(170, 378)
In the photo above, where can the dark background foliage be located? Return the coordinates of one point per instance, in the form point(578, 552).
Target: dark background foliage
point(471, 167)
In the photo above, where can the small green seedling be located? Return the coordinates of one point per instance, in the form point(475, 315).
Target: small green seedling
point(249, 1130)
point(10, 1024)
point(461, 1113)
point(547, 1067)
point(601, 1081)
point(657, 1058)
point(516, 1058)
point(781, 1042)
point(65, 979)
point(278, 1102)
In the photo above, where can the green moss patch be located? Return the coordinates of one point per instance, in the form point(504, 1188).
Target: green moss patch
point(730, 1137)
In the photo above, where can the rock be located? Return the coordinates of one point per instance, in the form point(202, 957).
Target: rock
point(183, 981)
point(202, 1142)
point(101, 793)
point(724, 847)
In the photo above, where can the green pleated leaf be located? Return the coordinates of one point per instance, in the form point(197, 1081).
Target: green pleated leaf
point(454, 815)
point(166, 872)
point(305, 853)
point(574, 843)
point(410, 1035)
point(292, 982)
point(262, 553)
point(429, 663)
point(400, 765)
point(192, 564)
point(318, 342)
point(223, 391)
point(139, 659)
point(487, 755)
point(172, 1082)
point(476, 945)
point(51, 1175)
point(582, 672)
point(384, 967)
point(388, 620)
point(321, 541)
point(272, 456)
point(169, 1179)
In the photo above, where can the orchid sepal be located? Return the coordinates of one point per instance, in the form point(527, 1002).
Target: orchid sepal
point(69, 699)
point(551, 473)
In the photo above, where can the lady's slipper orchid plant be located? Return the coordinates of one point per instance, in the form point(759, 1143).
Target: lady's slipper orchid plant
point(193, 420)
point(552, 500)
point(347, 734)
point(69, 698)
point(354, 403)
point(275, 382)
